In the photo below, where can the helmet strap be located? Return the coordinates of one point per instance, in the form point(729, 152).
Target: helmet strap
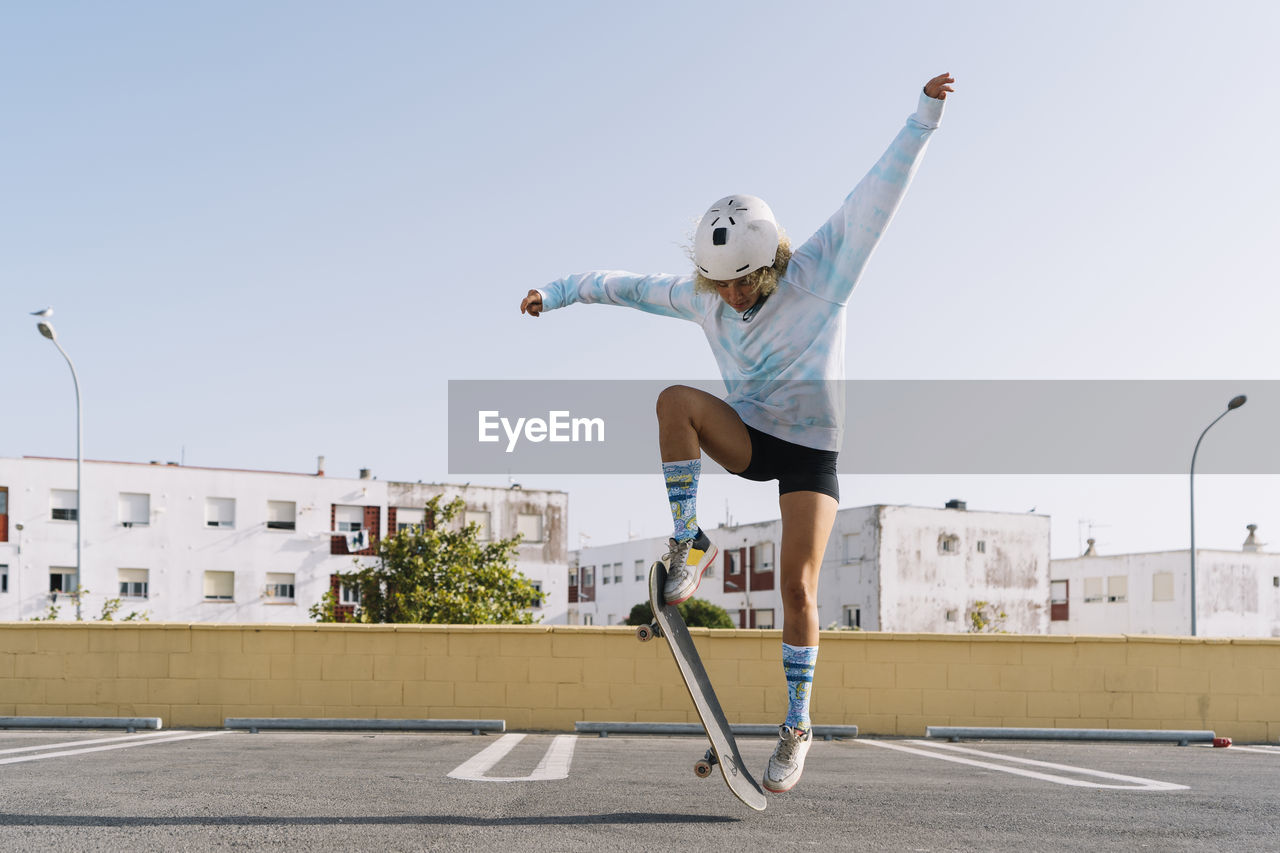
point(751, 312)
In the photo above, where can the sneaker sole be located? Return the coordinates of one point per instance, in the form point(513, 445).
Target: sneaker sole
point(711, 558)
point(772, 790)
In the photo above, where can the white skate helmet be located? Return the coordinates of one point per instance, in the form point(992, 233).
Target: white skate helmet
point(737, 235)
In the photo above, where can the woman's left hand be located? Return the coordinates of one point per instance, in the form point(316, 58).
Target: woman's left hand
point(938, 87)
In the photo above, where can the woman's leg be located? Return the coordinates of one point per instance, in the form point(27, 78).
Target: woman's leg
point(807, 519)
point(690, 421)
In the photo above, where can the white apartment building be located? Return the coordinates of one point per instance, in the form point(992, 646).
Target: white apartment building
point(1237, 593)
point(886, 568)
point(187, 544)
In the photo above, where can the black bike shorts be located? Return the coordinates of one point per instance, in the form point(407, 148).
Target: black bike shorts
point(796, 468)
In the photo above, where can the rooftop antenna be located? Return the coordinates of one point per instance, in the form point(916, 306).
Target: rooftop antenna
point(1083, 524)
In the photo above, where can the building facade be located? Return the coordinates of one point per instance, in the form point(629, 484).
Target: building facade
point(1237, 594)
point(186, 544)
point(886, 568)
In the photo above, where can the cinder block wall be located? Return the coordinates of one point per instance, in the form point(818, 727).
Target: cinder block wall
point(546, 678)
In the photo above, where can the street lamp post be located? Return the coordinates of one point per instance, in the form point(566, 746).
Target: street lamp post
point(46, 329)
point(1236, 402)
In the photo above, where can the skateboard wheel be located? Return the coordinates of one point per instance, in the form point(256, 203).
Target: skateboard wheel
point(702, 769)
point(645, 633)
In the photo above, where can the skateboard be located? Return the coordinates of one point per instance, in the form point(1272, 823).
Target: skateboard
point(667, 622)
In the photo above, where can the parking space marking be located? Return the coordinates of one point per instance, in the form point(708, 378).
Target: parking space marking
point(1266, 750)
point(170, 738)
point(554, 764)
point(147, 736)
point(1139, 783)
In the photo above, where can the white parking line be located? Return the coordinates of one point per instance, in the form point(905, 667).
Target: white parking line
point(169, 739)
point(1267, 750)
point(147, 736)
point(1139, 783)
point(554, 765)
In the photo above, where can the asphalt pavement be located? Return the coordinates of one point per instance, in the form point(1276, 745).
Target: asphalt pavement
point(218, 790)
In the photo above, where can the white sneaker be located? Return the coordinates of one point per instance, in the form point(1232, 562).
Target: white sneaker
point(686, 561)
point(787, 762)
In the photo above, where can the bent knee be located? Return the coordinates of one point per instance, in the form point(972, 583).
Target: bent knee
point(673, 400)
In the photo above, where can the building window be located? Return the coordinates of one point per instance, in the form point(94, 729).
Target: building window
point(604, 574)
point(852, 616)
point(1092, 590)
point(4, 578)
point(852, 551)
point(407, 517)
point(62, 580)
point(982, 546)
point(762, 557)
point(640, 574)
point(134, 583)
point(589, 576)
point(948, 543)
point(1118, 588)
point(732, 563)
point(135, 509)
point(529, 526)
point(4, 513)
point(279, 586)
point(1275, 581)
point(219, 586)
point(62, 502)
point(282, 515)
point(349, 594)
point(1162, 586)
point(588, 619)
point(763, 618)
point(952, 615)
point(220, 512)
point(480, 518)
point(1058, 601)
point(617, 572)
point(348, 519)
point(538, 586)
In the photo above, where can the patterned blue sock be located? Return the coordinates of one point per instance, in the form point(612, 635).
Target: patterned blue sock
point(682, 490)
point(798, 662)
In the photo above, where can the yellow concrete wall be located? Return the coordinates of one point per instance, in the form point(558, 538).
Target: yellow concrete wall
point(546, 678)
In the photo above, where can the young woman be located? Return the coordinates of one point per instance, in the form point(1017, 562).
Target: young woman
point(775, 320)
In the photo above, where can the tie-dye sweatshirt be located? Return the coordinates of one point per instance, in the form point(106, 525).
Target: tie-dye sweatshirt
point(782, 369)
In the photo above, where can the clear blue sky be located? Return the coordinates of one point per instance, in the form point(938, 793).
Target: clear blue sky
point(273, 230)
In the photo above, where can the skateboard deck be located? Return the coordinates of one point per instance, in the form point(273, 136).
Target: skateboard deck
point(724, 749)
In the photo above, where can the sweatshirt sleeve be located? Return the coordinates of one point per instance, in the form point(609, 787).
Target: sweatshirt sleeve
point(667, 295)
point(830, 262)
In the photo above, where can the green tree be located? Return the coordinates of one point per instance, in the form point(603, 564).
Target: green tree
point(696, 612)
point(437, 573)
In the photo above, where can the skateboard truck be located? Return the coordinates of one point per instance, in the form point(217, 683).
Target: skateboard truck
point(702, 769)
point(645, 633)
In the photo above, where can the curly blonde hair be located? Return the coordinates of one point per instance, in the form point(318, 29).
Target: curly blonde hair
point(763, 281)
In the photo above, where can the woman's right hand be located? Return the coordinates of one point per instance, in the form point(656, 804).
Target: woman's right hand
point(531, 304)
